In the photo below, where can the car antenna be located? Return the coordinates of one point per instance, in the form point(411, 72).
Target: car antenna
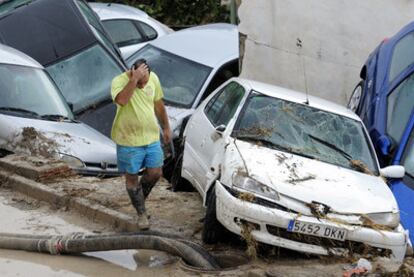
point(299, 44)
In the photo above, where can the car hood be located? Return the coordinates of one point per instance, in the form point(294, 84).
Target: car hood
point(345, 191)
point(71, 138)
point(176, 117)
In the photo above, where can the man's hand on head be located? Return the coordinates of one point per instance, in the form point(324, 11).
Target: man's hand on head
point(137, 74)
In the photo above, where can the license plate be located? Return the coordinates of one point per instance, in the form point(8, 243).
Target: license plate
point(318, 230)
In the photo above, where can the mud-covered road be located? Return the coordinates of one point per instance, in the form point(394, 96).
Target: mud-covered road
point(178, 213)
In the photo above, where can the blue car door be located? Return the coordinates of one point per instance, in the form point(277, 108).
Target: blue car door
point(404, 189)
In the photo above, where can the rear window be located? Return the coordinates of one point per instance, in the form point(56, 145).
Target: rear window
point(403, 56)
point(123, 32)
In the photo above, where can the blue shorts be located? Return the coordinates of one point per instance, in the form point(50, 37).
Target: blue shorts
point(132, 159)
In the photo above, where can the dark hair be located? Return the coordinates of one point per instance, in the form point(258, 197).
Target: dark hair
point(138, 62)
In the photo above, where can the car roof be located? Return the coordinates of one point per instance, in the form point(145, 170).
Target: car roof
point(111, 11)
point(47, 30)
point(209, 44)
point(299, 97)
point(10, 55)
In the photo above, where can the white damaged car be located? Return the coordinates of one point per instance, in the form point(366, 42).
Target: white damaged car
point(297, 172)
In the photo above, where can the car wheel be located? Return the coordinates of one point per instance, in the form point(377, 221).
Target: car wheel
point(178, 183)
point(176, 179)
point(355, 100)
point(213, 230)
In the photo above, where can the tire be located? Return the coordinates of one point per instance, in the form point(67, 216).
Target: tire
point(170, 168)
point(356, 97)
point(176, 179)
point(213, 230)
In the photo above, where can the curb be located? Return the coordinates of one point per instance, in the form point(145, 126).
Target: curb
point(96, 212)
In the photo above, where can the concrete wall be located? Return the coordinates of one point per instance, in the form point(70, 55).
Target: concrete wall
point(316, 45)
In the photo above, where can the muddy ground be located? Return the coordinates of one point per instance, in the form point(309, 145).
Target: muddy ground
point(181, 213)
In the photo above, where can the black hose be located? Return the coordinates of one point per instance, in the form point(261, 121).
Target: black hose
point(192, 253)
point(190, 243)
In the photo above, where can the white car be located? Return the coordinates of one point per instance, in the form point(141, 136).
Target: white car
point(129, 27)
point(299, 172)
point(35, 119)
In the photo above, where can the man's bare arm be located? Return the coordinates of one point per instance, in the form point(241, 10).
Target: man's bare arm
point(135, 75)
point(162, 116)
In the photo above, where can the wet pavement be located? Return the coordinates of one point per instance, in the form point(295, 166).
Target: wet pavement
point(22, 215)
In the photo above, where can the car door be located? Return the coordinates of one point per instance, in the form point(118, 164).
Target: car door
point(204, 138)
point(404, 189)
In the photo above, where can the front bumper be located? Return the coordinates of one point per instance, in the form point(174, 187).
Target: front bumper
point(97, 171)
point(271, 228)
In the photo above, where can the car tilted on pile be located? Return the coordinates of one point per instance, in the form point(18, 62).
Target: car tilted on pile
point(35, 119)
point(298, 172)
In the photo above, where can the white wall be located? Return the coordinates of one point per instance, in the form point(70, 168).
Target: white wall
point(336, 37)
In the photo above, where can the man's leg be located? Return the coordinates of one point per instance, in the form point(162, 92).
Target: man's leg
point(129, 161)
point(149, 179)
point(135, 193)
point(153, 162)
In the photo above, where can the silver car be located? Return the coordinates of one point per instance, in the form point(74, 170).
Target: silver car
point(191, 64)
point(35, 119)
point(129, 27)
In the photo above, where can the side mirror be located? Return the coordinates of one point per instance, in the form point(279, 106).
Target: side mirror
point(220, 129)
point(393, 171)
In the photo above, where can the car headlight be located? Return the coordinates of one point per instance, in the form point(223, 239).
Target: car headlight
point(386, 219)
point(71, 161)
point(251, 185)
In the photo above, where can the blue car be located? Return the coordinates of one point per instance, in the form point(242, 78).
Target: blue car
point(384, 99)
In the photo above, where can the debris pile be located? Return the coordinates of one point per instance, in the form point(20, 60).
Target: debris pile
point(35, 168)
point(34, 143)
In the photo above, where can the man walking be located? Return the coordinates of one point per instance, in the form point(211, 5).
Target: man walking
point(138, 95)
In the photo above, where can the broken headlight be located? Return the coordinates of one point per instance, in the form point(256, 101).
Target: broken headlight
point(251, 185)
point(71, 161)
point(386, 219)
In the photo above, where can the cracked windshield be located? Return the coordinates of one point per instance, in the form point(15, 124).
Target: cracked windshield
point(181, 79)
point(305, 131)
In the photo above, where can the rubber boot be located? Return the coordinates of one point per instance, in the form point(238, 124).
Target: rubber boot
point(146, 187)
point(138, 201)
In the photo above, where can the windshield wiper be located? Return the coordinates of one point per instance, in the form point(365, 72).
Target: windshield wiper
point(332, 146)
point(276, 146)
point(19, 110)
point(56, 117)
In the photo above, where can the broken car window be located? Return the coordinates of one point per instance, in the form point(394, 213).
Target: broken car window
point(29, 91)
point(181, 79)
point(304, 130)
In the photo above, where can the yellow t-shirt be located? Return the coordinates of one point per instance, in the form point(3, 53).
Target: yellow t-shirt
point(135, 123)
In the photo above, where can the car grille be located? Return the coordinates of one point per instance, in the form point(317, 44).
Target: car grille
point(98, 165)
point(353, 247)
